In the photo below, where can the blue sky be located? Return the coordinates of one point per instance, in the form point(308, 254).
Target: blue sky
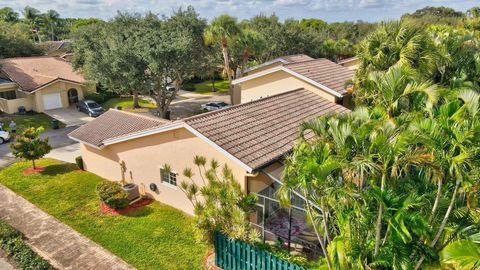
point(329, 10)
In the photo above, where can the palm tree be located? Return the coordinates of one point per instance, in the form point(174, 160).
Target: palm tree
point(396, 43)
point(31, 15)
point(52, 17)
point(223, 30)
point(398, 90)
point(462, 254)
point(8, 14)
point(248, 42)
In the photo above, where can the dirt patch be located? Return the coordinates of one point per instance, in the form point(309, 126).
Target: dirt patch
point(141, 203)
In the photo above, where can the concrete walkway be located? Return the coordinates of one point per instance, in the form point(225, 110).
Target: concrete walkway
point(62, 246)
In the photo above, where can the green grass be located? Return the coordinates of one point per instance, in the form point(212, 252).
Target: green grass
point(28, 120)
point(205, 87)
point(127, 104)
point(154, 237)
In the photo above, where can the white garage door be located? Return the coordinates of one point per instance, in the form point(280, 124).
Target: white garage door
point(52, 101)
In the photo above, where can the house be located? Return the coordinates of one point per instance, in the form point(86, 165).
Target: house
point(248, 138)
point(39, 84)
point(321, 76)
point(60, 48)
point(350, 63)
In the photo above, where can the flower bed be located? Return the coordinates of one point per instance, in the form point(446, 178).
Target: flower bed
point(31, 170)
point(139, 204)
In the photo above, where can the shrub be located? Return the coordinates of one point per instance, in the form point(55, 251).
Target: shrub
point(97, 97)
point(79, 162)
point(11, 241)
point(189, 86)
point(282, 253)
point(112, 195)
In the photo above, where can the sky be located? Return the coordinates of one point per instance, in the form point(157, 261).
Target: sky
point(328, 10)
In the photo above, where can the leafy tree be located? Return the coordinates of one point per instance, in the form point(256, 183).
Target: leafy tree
point(15, 41)
point(51, 16)
point(222, 30)
point(462, 254)
point(30, 146)
point(248, 43)
point(220, 204)
point(32, 16)
point(8, 14)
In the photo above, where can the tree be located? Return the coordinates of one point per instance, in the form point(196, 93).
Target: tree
point(173, 49)
point(32, 16)
point(15, 41)
point(248, 43)
point(462, 254)
point(222, 30)
point(30, 146)
point(8, 14)
point(219, 204)
point(51, 16)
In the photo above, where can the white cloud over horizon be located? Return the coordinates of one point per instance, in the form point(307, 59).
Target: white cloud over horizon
point(329, 10)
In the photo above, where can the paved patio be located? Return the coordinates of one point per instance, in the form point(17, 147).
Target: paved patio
point(62, 246)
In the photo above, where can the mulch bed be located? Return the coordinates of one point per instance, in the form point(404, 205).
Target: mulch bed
point(31, 170)
point(209, 262)
point(139, 204)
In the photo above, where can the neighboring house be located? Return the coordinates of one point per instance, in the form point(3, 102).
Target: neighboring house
point(320, 76)
point(350, 63)
point(57, 48)
point(251, 138)
point(39, 84)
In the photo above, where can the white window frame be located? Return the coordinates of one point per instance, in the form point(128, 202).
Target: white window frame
point(168, 182)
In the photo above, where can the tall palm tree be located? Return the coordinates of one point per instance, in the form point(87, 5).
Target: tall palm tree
point(223, 30)
point(52, 17)
point(31, 15)
point(398, 90)
point(249, 42)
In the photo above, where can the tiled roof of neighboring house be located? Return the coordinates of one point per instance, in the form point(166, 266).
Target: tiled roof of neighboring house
point(296, 58)
point(53, 46)
point(324, 72)
point(114, 123)
point(31, 73)
point(346, 60)
point(286, 59)
point(262, 131)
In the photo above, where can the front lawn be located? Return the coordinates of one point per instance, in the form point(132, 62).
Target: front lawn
point(154, 237)
point(205, 87)
point(27, 120)
point(127, 104)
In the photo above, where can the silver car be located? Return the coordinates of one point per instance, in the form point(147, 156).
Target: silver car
point(4, 136)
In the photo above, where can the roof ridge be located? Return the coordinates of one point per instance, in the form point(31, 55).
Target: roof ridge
point(312, 60)
point(162, 121)
point(239, 105)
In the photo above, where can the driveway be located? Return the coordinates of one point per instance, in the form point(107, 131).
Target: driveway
point(62, 147)
point(190, 104)
point(69, 116)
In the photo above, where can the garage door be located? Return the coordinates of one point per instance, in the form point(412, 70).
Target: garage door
point(52, 101)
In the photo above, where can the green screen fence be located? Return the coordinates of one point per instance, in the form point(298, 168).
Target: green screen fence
point(233, 254)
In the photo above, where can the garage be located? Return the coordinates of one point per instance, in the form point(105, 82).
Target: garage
point(52, 101)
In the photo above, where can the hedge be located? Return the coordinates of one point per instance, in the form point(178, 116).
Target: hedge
point(12, 243)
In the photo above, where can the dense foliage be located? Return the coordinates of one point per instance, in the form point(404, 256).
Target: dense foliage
point(220, 204)
point(12, 243)
point(397, 178)
point(112, 194)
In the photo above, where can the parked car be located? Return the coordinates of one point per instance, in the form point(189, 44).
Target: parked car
point(90, 107)
point(4, 136)
point(214, 105)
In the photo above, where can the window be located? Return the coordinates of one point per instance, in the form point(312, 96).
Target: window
point(8, 95)
point(168, 177)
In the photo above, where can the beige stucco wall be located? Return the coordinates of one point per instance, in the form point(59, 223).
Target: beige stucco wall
point(11, 106)
point(145, 156)
point(62, 87)
point(276, 83)
point(276, 64)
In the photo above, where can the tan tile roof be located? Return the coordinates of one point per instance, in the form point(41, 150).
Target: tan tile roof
point(296, 58)
point(113, 124)
point(262, 131)
point(325, 72)
point(31, 73)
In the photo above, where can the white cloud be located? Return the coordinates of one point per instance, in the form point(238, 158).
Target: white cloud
point(331, 10)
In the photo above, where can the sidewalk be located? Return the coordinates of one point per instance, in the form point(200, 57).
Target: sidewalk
point(62, 246)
